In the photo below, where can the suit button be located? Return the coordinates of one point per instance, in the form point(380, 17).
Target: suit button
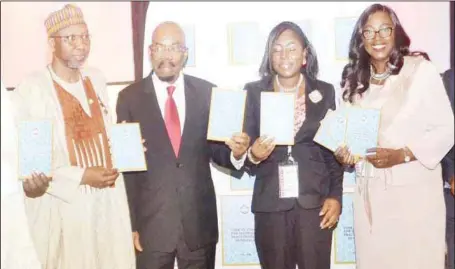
point(179, 165)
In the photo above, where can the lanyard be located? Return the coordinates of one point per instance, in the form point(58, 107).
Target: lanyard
point(290, 154)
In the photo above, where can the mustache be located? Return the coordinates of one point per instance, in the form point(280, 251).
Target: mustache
point(161, 64)
point(84, 56)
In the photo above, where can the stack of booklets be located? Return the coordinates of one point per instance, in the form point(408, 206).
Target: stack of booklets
point(354, 127)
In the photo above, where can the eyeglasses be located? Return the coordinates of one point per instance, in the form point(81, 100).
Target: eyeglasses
point(383, 33)
point(72, 39)
point(290, 52)
point(173, 48)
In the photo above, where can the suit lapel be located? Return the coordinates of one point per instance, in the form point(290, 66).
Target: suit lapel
point(152, 111)
point(312, 110)
point(150, 91)
point(191, 115)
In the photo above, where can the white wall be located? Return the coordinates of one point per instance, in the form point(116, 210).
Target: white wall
point(426, 23)
point(24, 46)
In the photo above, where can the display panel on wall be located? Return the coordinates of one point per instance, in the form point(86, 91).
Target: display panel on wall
point(246, 43)
point(237, 231)
point(343, 32)
point(190, 40)
point(344, 233)
point(241, 181)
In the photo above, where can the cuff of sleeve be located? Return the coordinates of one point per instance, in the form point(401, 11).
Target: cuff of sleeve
point(425, 156)
point(238, 164)
point(338, 197)
point(133, 224)
point(65, 183)
point(250, 157)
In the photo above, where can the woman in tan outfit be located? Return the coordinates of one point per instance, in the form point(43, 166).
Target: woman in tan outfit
point(399, 212)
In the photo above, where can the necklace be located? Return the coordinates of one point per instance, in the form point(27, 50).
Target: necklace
point(382, 76)
point(283, 89)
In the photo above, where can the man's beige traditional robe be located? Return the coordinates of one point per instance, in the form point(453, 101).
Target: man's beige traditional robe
point(76, 226)
point(17, 249)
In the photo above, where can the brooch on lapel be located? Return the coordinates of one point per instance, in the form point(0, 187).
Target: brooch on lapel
point(315, 96)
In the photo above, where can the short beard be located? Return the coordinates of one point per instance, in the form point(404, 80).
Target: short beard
point(74, 64)
point(167, 79)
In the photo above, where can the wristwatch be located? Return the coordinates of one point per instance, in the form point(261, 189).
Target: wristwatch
point(407, 158)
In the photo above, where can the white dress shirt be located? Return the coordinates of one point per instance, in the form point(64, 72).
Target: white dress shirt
point(179, 98)
point(76, 89)
point(178, 95)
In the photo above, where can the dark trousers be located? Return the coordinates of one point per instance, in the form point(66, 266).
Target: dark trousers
point(290, 238)
point(450, 226)
point(203, 258)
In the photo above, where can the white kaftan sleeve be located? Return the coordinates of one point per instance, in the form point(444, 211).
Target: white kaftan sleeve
point(33, 100)
point(17, 249)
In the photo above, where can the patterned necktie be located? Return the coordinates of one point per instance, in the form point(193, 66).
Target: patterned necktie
point(171, 118)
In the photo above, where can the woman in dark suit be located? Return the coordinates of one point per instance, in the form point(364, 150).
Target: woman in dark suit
point(296, 230)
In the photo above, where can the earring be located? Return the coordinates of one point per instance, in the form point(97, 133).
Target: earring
point(391, 66)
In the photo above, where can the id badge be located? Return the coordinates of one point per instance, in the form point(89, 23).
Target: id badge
point(288, 176)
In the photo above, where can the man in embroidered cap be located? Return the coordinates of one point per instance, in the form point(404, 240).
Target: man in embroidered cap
point(78, 218)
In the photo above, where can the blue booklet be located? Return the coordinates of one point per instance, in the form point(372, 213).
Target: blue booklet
point(126, 147)
point(331, 133)
point(277, 116)
point(227, 111)
point(355, 127)
point(35, 148)
point(362, 130)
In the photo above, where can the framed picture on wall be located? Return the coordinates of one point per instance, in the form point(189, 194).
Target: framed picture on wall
point(344, 233)
point(246, 43)
point(189, 31)
point(343, 31)
point(237, 231)
point(241, 181)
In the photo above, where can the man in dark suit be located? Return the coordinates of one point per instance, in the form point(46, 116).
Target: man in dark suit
point(173, 204)
point(448, 176)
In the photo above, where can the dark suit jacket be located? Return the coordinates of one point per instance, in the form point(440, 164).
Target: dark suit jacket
point(174, 193)
point(320, 175)
point(448, 161)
